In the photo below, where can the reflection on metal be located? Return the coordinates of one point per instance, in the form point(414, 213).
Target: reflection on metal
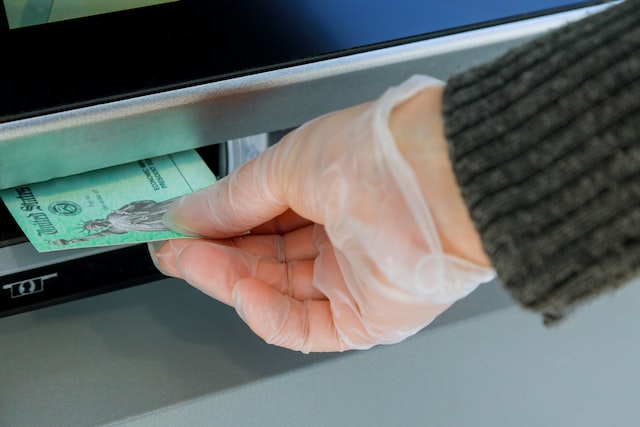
point(244, 149)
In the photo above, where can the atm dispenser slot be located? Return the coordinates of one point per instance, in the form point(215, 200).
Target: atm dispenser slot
point(30, 280)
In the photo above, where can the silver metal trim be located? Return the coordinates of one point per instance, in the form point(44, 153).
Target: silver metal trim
point(60, 144)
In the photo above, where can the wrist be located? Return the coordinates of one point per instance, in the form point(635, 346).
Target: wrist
point(418, 129)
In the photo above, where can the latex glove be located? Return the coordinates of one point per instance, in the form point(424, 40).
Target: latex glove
point(343, 252)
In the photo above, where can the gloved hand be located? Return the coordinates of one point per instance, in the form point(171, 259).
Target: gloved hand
point(340, 236)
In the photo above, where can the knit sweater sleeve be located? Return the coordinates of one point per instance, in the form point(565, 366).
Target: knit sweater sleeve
point(545, 145)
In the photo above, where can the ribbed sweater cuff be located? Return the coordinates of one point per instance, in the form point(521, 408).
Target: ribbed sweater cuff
point(544, 144)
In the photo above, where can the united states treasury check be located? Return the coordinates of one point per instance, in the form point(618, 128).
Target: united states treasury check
point(112, 206)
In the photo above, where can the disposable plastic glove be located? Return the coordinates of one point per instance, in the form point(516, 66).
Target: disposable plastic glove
point(326, 241)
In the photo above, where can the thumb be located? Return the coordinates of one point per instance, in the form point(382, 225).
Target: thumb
point(247, 197)
point(291, 174)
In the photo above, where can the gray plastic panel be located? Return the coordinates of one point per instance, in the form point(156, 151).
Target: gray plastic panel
point(164, 354)
point(90, 138)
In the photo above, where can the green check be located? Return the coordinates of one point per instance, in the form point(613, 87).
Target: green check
point(113, 206)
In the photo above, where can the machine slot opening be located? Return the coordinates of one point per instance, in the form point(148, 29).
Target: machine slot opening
point(10, 233)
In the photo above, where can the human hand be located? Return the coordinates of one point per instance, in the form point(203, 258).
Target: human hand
point(340, 236)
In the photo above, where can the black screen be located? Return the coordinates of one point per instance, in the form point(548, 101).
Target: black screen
point(63, 64)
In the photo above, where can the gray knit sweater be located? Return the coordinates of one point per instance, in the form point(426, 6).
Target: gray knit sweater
point(545, 144)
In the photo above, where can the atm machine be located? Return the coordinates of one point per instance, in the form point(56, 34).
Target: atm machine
point(99, 337)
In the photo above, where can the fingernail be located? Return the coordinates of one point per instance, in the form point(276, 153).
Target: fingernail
point(237, 303)
point(153, 248)
point(168, 219)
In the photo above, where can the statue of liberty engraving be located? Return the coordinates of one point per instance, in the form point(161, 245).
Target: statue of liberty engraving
point(141, 216)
